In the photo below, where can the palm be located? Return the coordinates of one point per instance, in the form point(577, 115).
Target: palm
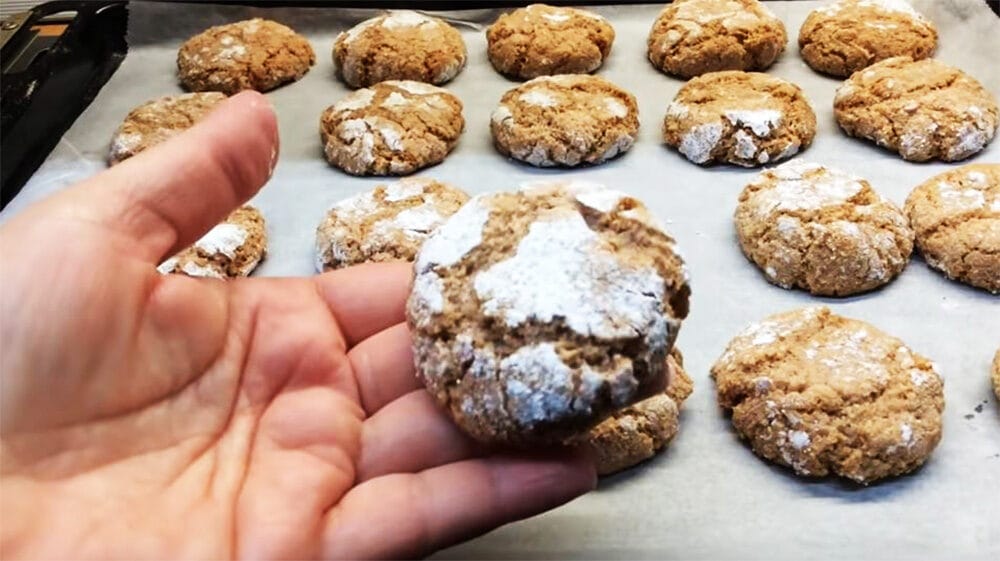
point(256, 418)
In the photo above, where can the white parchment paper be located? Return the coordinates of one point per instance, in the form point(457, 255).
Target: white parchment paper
point(708, 496)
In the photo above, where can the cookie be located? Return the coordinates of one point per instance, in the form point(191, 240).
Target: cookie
point(399, 45)
point(255, 54)
point(565, 120)
point(841, 38)
point(639, 432)
point(822, 230)
point(923, 110)
point(231, 249)
point(824, 394)
point(157, 120)
point(996, 373)
point(743, 118)
point(542, 40)
point(536, 313)
point(392, 128)
point(388, 223)
point(692, 37)
point(956, 218)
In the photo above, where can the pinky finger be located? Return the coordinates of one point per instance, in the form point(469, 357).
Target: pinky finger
point(413, 515)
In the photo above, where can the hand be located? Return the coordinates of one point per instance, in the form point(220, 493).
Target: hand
point(149, 416)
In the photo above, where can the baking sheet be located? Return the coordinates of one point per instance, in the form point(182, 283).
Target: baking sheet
point(708, 496)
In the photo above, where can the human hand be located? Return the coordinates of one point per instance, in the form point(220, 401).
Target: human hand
point(171, 417)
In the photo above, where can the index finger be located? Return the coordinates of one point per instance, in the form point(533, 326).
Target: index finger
point(366, 299)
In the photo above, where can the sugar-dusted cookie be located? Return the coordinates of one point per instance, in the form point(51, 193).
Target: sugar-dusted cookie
point(159, 119)
point(399, 45)
point(829, 395)
point(231, 249)
point(639, 432)
point(388, 223)
point(848, 35)
point(565, 120)
point(541, 40)
point(996, 373)
point(923, 110)
point(821, 229)
point(956, 218)
point(392, 128)
point(692, 37)
point(537, 313)
point(255, 54)
point(743, 118)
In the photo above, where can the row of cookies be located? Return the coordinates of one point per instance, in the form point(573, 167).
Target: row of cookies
point(900, 422)
point(921, 109)
point(688, 38)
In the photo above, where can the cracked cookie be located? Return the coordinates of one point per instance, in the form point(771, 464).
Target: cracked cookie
point(399, 45)
point(848, 35)
point(541, 40)
point(565, 120)
point(743, 118)
point(157, 120)
point(255, 54)
point(640, 431)
point(996, 373)
point(820, 229)
point(692, 37)
point(388, 223)
point(392, 128)
point(231, 249)
point(537, 313)
point(824, 394)
point(956, 218)
point(923, 109)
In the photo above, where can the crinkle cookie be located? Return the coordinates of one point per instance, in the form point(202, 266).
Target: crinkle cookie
point(392, 128)
point(824, 394)
point(159, 119)
point(388, 223)
point(639, 432)
point(692, 37)
point(956, 217)
point(923, 110)
point(996, 373)
point(537, 313)
point(565, 120)
point(399, 45)
point(848, 35)
point(743, 118)
point(231, 249)
point(255, 54)
point(540, 40)
point(823, 230)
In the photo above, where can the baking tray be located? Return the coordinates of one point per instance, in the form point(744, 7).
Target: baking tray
point(708, 496)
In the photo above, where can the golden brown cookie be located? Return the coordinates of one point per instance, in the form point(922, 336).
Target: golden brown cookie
point(537, 313)
point(231, 249)
point(399, 45)
point(541, 40)
point(956, 218)
point(388, 223)
point(640, 431)
point(692, 37)
point(996, 373)
point(820, 229)
point(565, 120)
point(923, 110)
point(157, 120)
point(825, 394)
point(392, 128)
point(848, 35)
point(743, 118)
point(255, 54)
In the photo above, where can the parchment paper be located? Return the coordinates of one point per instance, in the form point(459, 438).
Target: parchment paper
point(708, 496)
